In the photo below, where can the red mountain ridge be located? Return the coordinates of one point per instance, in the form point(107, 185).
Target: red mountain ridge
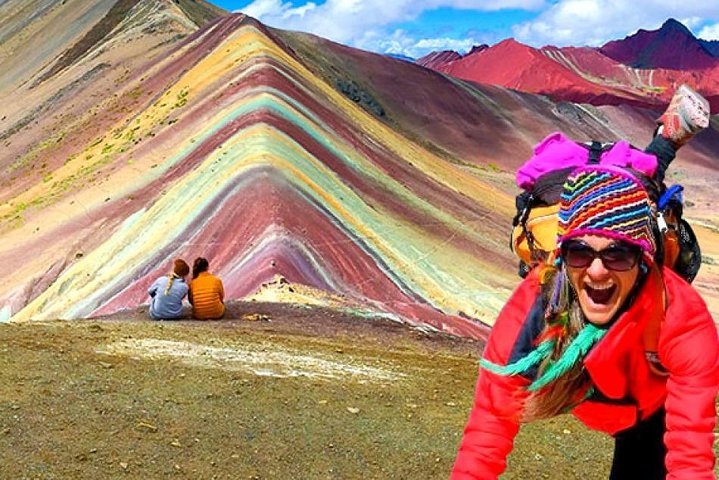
point(598, 76)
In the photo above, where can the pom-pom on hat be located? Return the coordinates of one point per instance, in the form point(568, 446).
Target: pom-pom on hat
point(609, 202)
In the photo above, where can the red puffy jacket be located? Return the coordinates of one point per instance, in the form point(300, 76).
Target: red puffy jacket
point(688, 348)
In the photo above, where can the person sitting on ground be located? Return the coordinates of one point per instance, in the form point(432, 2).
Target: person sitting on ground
point(207, 294)
point(168, 291)
point(574, 337)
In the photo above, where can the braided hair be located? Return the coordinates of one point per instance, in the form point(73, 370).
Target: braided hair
point(180, 269)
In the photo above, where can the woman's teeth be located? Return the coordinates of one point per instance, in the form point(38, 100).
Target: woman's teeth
point(600, 294)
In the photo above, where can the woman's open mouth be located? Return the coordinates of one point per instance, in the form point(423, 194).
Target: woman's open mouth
point(600, 295)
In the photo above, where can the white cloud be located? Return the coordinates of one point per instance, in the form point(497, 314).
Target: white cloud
point(710, 32)
point(693, 23)
point(262, 8)
point(482, 5)
point(399, 42)
point(371, 24)
point(300, 11)
point(445, 43)
point(594, 22)
point(278, 10)
point(348, 21)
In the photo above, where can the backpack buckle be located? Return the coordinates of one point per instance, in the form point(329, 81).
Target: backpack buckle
point(661, 223)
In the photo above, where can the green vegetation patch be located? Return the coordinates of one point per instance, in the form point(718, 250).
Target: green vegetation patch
point(354, 92)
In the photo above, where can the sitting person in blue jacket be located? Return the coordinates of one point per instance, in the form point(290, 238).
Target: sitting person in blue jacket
point(168, 291)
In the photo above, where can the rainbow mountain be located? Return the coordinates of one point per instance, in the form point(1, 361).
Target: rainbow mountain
point(137, 132)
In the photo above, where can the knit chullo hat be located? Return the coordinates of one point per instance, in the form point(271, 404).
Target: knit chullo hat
point(609, 202)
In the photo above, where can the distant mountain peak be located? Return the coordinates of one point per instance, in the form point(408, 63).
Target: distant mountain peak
point(435, 59)
point(673, 24)
point(477, 48)
point(510, 41)
point(672, 46)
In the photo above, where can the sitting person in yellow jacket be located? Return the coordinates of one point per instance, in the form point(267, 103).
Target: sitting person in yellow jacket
point(206, 294)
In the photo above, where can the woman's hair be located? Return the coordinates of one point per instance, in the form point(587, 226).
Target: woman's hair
point(200, 265)
point(563, 323)
point(180, 269)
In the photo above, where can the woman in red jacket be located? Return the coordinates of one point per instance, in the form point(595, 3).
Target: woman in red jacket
point(576, 336)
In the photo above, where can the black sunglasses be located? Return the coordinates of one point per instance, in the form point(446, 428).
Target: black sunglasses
point(619, 257)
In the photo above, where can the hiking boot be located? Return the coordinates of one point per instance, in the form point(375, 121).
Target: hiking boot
point(686, 115)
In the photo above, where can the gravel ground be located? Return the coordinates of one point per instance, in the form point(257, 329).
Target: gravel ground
point(273, 392)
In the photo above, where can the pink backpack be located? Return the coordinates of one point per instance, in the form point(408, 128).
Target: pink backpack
point(557, 152)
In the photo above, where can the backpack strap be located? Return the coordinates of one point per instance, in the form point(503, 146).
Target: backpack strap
point(595, 152)
point(654, 324)
point(524, 203)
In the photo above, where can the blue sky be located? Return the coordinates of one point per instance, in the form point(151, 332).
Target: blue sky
point(416, 27)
